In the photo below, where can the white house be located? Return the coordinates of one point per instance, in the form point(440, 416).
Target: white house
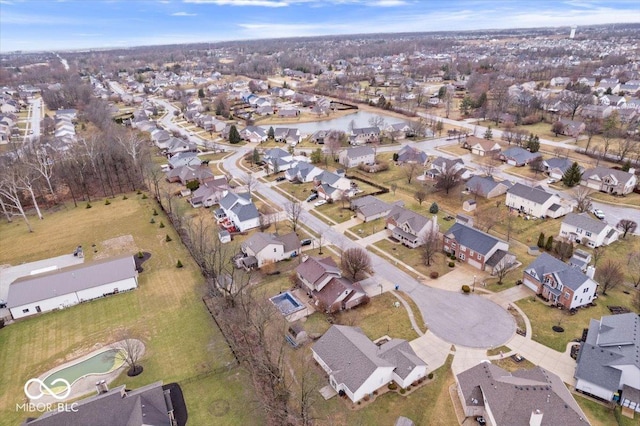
point(271, 248)
point(209, 193)
point(240, 211)
point(409, 227)
point(583, 229)
point(61, 288)
point(608, 360)
point(537, 202)
point(302, 172)
point(355, 156)
point(358, 367)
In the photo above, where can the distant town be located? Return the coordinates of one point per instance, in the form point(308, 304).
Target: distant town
point(407, 229)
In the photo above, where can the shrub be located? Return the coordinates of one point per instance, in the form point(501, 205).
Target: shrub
point(179, 264)
point(107, 202)
point(366, 398)
point(88, 206)
point(1, 322)
point(139, 192)
point(466, 289)
point(452, 264)
point(152, 220)
point(430, 376)
point(434, 274)
point(124, 197)
point(403, 391)
point(392, 386)
point(144, 196)
point(155, 213)
point(140, 255)
point(375, 393)
point(168, 238)
point(161, 224)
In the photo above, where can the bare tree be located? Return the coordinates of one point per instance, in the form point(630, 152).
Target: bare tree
point(592, 128)
point(11, 193)
point(43, 164)
point(355, 262)
point(537, 165)
point(410, 170)
point(131, 350)
point(420, 195)
point(265, 216)
point(502, 269)
point(573, 101)
point(626, 226)
point(488, 165)
point(448, 179)
point(431, 243)
point(133, 146)
point(307, 391)
point(633, 267)
point(250, 182)
point(333, 143)
point(293, 210)
point(582, 197)
point(597, 254)
point(609, 276)
point(393, 187)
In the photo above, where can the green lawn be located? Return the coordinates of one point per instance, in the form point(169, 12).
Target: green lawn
point(632, 199)
point(413, 257)
point(365, 229)
point(166, 312)
point(600, 415)
point(543, 317)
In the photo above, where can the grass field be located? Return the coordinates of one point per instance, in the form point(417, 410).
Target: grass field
point(166, 312)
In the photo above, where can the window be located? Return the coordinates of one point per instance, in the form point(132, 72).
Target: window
point(479, 256)
point(471, 253)
point(567, 295)
point(462, 256)
point(588, 234)
point(585, 290)
point(24, 311)
point(274, 249)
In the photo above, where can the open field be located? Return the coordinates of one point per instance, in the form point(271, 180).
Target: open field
point(166, 312)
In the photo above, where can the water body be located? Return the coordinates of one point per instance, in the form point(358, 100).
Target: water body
point(360, 119)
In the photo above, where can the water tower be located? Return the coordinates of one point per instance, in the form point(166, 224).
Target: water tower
point(573, 32)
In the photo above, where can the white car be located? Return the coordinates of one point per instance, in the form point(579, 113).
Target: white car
point(551, 180)
point(599, 214)
point(320, 203)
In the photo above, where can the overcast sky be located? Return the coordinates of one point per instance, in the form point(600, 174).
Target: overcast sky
point(79, 24)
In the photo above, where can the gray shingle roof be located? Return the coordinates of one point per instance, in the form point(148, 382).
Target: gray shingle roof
point(584, 221)
point(600, 172)
point(566, 275)
point(476, 240)
point(43, 286)
point(314, 268)
point(512, 397)
point(145, 406)
point(559, 163)
point(536, 195)
point(403, 216)
point(359, 151)
point(520, 155)
point(483, 185)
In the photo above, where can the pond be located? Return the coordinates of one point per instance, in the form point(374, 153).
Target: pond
point(360, 119)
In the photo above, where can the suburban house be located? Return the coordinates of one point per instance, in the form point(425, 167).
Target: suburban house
point(556, 167)
point(608, 365)
point(277, 160)
point(482, 147)
point(357, 367)
point(409, 227)
point(239, 211)
point(477, 248)
point(271, 248)
point(150, 405)
point(302, 172)
point(573, 128)
point(486, 186)
point(517, 156)
point(583, 229)
point(360, 136)
point(176, 146)
point(596, 111)
point(54, 289)
point(355, 156)
point(209, 193)
point(440, 165)
point(409, 154)
point(400, 130)
point(287, 135)
point(611, 181)
point(253, 134)
point(184, 159)
point(537, 202)
point(369, 208)
point(532, 397)
point(331, 185)
point(561, 284)
point(323, 281)
point(186, 174)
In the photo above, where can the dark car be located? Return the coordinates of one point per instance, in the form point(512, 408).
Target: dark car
point(305, 242)
point(312, 197)
point(280, 178)
point(481, 421)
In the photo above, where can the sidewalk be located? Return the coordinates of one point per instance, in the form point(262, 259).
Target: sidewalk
point(432, 350)
point(372, 239)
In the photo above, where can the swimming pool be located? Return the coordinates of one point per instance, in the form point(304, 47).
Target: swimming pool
point(101, 363)
point(287, 303)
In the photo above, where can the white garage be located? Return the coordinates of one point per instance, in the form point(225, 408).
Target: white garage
point(69, 286)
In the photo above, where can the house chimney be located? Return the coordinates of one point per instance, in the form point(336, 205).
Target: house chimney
point(591, 271)
point(103, 386)
point(536, 418)
point(631, 170)
point(98, 389)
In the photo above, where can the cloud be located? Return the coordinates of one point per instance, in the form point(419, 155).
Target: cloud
point(255, 3)
point(387, 3)
point(184, 14)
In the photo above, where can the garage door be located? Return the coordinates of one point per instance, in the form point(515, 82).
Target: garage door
point(475, 263)
point(531, 284)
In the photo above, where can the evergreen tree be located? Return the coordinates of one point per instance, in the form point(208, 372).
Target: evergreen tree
point(255, 156)
point(572, 176)
point(271, 134)
point(541, 240)
point(201, 93)
point(534, 143)
point(434, 208)
point(549, 245)
point(316, 156)
point(488, 134)
point(234, 136)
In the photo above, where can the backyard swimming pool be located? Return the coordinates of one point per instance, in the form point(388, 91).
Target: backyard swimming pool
point(102, 363)
point(287, 303)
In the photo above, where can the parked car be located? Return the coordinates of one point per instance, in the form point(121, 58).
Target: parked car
point(598, 213)
point(320, 202)
point(280, 178)
point(481, 421)
point(312, 197)
point(517, 357)
point(3, 304)
point(551, 180)
point(305, 242)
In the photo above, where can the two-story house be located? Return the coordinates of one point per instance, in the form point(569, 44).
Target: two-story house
point(409, 227)
point(355, 156)
point(537, 202)
point(271, 248)
point(239, 210)
point(209, 193)
point(302, 172)
point(561, 284)
point(556, 167)
point(611, 181)
point(363, 135)
point(331, 186)
point(410, 154)
point(477, 248)
point(583, 229)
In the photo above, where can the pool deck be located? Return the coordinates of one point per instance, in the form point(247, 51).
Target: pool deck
point(87, 384)
point(308, 309)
